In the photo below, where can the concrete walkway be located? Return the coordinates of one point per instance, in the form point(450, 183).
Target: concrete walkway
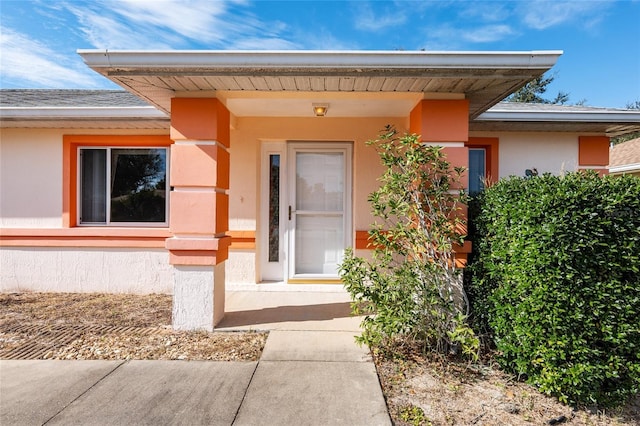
point(311, 373)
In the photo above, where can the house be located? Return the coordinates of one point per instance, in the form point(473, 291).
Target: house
point(223, 169)
point(624, 158)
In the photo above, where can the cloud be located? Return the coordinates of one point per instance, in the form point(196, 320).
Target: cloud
point(366, 19)
point(449, 36)
point(29, 62)
point(486, 34)
point(134, 24)
point(543, 14)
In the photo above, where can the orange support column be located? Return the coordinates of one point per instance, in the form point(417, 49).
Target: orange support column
point(446, 123)
point(198, 211)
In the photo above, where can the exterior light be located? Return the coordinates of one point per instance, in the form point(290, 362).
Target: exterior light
point(320, 110)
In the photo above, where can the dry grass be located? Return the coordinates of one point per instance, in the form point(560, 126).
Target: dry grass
point(431, 391)
point(111, 326)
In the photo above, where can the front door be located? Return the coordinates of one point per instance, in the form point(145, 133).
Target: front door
point(319, 209)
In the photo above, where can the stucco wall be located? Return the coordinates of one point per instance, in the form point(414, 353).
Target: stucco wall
point(547, 152)
point(245, 153)
point(30, 178)
point(85, 270)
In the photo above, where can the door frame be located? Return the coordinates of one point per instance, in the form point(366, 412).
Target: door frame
point(286, 150)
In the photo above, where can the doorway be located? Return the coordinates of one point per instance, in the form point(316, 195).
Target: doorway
point(306, 210)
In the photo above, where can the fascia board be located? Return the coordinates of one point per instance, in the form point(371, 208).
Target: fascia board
point(573, 116)
point(624, 168)
point(261, 60)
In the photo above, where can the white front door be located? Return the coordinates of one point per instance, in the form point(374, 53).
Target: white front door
point(319, 209)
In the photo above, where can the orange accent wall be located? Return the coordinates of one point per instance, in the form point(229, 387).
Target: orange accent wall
point(593, 150)
point(415, 119)
point(200, 119)
point(491, 146)
point(70, 144)
point(441, 120)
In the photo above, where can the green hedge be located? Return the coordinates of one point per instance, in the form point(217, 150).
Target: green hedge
point(556, 280)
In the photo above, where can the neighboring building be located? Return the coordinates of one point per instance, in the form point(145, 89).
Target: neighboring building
point(624, 158)
point(225, 169)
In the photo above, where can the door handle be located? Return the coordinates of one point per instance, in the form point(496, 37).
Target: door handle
point(290, 211)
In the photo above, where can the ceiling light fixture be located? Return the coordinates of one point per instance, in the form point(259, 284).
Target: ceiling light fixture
point(320, 110)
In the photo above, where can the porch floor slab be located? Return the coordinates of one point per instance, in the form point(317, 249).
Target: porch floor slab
point(288, 310)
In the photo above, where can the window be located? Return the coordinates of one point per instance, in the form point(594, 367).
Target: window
point(123, 186)
point(477, 170)
point(483, 162)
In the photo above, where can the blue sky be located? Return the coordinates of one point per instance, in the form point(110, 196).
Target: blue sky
point(600, 39)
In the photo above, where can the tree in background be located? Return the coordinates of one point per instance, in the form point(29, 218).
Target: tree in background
point(532, 93)
point(629, 136)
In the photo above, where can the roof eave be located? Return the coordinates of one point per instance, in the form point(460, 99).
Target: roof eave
point(308, 59)
point(632, 117)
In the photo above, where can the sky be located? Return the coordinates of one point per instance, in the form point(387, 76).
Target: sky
point(600, 39)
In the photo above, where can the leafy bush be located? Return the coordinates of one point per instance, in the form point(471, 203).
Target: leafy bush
point(412, 288)
point(557, 279)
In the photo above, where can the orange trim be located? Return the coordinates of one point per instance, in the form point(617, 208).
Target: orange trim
point(362, 240)
point(242, 240)
point(593, 150)
point(70, 144)
point(202, 257)
point(85, 237)
point(491, 146)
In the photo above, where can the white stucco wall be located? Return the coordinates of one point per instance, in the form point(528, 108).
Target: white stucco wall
point(30, 178)
point(85, 270)
point(241, 267)
point(547, 152)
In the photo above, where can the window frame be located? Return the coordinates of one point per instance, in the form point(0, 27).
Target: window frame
point(70, 174)
point(490, 146)
point(108, 207)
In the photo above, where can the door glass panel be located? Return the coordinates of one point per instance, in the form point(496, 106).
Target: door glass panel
point(319, 181)
point(274, 208)
point(319, 244)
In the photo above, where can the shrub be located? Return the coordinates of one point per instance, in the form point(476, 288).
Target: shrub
point(557, 279)
point(412, 288)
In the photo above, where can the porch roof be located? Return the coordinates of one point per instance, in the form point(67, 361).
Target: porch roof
point(353, 83)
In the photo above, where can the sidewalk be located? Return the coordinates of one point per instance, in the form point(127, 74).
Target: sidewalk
point(311, 373)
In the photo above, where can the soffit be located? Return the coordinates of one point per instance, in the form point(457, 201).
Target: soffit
point(484, 78)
